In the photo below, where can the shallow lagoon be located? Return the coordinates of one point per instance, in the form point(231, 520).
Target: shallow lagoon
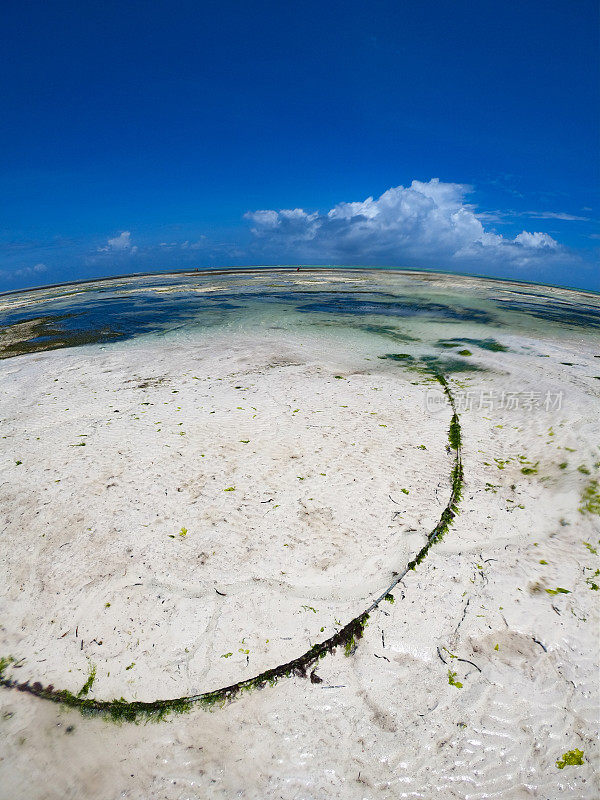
point(423, 309)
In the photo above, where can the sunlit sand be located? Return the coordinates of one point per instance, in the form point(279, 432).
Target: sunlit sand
point(205, 476)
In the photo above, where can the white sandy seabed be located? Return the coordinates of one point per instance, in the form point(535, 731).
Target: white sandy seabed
point(186, 514)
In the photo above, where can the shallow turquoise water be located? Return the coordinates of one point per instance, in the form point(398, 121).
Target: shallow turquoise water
point(417, 312)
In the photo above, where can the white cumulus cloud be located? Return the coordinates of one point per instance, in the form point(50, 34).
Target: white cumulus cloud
point(424, 224)
point(536, 240)
point(119, 244)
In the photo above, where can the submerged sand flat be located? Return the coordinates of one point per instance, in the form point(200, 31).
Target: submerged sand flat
point(190, 510)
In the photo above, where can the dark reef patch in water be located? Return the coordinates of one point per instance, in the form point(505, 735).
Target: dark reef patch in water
point(97, 320)
point(292, 297)
point(48, 333)
point(433, 365)
point(402, 307)
point(387, 331)
point(484, 344)
point(563, 312)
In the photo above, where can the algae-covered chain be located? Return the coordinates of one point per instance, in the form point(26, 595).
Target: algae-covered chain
point(347, 637)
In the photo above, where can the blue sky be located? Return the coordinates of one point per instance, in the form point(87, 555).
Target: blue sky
point(155, 135)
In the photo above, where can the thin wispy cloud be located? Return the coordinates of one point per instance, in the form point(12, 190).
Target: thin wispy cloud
point(500, 216)
point(24, 272)
point(424, 224)
point(555, 215)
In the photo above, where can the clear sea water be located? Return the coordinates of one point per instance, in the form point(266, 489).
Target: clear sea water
point(417, 311)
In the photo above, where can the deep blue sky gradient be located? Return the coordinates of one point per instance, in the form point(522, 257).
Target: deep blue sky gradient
point(171, 120)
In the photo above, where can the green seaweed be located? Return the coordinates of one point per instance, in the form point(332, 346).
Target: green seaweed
point(121, 710)
point(89, 682)
point(590, 499)
point(572, 758)
point(530, 470)
point(452, 680)
point(454, 432)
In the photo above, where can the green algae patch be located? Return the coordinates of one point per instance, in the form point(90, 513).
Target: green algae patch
point(558, 590)
point(529, 470)
point(85, 689)
point(5, 662)
point(454, 433)
point(572, 758)
point(351, 640)
point(590, 499)
point(452, 680)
